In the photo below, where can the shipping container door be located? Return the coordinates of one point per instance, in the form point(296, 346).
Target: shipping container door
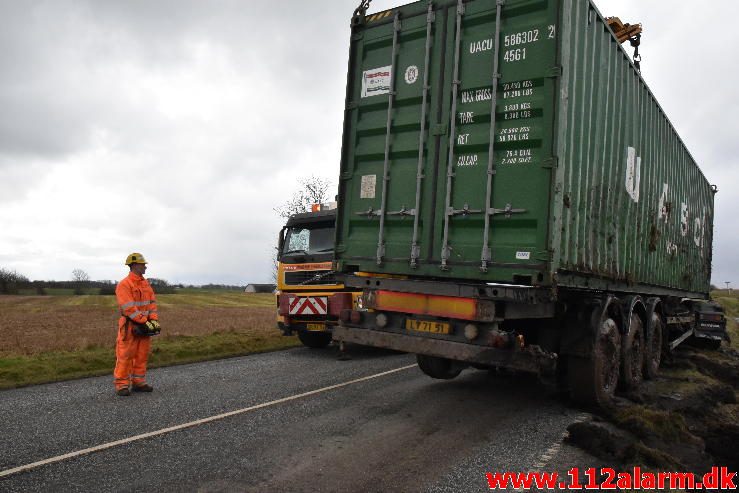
point(492, 213)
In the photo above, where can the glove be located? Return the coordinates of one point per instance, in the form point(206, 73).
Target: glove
point(147, 329)
point(140, 329)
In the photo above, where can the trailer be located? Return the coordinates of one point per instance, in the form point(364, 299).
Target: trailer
point(514, 196)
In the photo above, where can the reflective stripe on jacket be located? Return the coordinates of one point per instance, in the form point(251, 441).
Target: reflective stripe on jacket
point(136, 299)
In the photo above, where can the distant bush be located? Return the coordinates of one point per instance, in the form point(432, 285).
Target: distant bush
point(11, 281)
point(222, 286)
point(161, 286)
point(108, 289)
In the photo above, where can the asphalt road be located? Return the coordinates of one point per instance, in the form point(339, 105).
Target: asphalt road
point(399, 431)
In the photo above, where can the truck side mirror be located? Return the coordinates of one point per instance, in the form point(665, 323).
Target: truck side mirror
point(280, 242)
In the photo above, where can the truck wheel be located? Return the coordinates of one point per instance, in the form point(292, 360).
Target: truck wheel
point(632, 354)
point(593, 380)
point(315, 340)
point(653, 348)
point(441, 368)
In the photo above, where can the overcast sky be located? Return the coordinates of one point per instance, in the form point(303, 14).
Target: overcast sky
point(174, 128)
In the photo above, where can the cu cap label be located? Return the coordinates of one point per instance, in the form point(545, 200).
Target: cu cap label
point(411, 74)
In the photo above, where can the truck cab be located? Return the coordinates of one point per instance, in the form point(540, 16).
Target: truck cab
point(309, 297)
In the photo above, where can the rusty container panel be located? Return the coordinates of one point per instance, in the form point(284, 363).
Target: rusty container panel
point(630, 205)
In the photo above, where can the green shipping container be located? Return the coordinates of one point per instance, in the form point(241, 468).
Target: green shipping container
point(578, 179)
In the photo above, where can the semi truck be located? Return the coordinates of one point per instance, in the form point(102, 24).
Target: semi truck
point(516, 197)
point(309, 297)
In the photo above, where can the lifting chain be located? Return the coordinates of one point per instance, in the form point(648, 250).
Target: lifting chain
point(363, 6)
point(635, 41)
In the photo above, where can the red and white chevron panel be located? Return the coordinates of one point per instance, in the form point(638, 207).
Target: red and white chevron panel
point(309, 305)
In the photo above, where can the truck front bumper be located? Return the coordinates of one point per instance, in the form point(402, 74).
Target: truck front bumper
point(530, 359)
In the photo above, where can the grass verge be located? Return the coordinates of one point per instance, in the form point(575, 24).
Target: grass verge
point(54, 366)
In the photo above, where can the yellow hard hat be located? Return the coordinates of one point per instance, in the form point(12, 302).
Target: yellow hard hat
point(135, 258)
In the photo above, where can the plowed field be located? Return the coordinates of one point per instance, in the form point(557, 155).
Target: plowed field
point(34, 324)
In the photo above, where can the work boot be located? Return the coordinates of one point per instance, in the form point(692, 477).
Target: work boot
point(144, 387)
point(123, 392)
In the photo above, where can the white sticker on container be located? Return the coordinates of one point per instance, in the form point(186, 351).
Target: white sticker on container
point(376, 81)
point(633, 173)
point(523, 255)
point(684, 216)
point(411, 74)
point(368, 186)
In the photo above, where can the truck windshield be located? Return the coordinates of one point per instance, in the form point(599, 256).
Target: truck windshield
point(309, 239)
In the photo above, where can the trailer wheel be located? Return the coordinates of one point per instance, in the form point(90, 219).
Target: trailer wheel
point(315, 340)
point(632, 354)
point(593, 380)
point(441, 368)
point(653, 348)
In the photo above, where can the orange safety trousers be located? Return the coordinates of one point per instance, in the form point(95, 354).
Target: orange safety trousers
point(131, 353)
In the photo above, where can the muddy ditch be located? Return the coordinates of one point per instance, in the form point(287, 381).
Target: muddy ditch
point(686, 419)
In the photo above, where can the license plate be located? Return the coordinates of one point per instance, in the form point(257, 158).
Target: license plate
point(316, 327)
point(427, 326)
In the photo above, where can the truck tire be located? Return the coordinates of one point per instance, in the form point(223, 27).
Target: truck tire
point(593, 380)
point(315, 340)
point(632, 354)
point(653, 348)
point(441, 368)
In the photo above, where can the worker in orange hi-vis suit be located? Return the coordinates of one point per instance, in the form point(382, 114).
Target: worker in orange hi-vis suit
point(139, 321)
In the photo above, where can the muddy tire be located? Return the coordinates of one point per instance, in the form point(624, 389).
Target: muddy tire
point(440, 368)
point(315, 340)
point(593, 380)
point(632, 354)
point(653, 348)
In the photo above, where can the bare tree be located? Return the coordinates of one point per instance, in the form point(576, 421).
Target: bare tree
point(78, 275)
point(313, 190)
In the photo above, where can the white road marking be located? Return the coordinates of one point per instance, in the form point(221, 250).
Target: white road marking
point(554, 449)
point(116, 443)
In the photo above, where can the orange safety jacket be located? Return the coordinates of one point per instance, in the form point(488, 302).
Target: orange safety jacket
point(136, 300)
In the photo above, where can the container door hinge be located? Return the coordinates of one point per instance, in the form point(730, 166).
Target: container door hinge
point(439, 129)
point(555, 71)
point(358, 36)
point(352, 105)
point(550, 163)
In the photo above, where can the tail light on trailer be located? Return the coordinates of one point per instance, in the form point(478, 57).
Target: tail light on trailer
point(338, 302)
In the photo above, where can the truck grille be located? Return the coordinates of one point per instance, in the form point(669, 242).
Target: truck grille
point(307, 277)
